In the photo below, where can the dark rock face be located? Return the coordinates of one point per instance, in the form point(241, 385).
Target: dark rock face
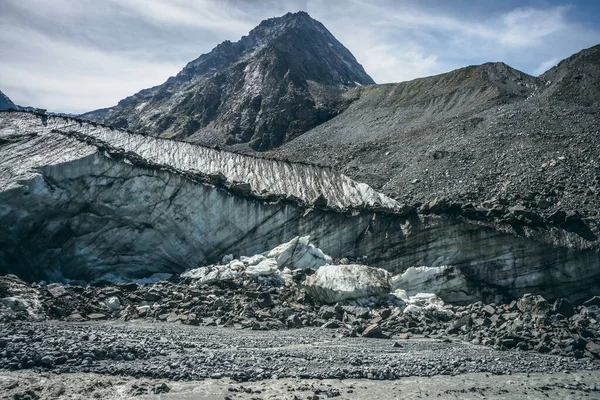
point(6, 103)
point(285, 77)
point(477, 134)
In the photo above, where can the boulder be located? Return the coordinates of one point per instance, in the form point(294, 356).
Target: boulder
point(533, 304)
point(333, 283)
point(113, 303)
point(412, 309)
point(447, 282)
point(298, 253)
point(374, 331)
point(564, 307)
point(593, 348)
point(56, 290)
point(215, 273)
point(401, 294)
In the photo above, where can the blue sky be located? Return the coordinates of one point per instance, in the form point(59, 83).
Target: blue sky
point(79, 55)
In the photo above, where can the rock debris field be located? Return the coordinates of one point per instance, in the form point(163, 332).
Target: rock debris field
point(160, 355)
point(289, 316)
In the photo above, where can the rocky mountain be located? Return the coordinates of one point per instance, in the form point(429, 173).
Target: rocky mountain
point(6, 103)
point(481, 134)
point(577, 78)
point(285, 77)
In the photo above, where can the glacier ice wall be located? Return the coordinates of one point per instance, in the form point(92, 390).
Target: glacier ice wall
point(82, 201)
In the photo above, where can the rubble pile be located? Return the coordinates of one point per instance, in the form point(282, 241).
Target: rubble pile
point(295, 285)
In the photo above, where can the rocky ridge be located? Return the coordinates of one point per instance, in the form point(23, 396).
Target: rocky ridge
point(479, 134)
point(284, 78)
point(575, 79)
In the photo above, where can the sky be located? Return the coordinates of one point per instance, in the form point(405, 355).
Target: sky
point(80, 55)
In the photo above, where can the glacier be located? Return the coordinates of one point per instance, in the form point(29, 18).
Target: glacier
point(82, 201)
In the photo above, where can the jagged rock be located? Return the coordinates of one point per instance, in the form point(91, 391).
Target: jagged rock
point(405, 210)
point(374, 331)
point(161, 388)
point(331, 325)
point(241, 188)
point(293, 321)
point(593, 348)
point(113, 303)
point(558, 217)
point(489, 310)
point(6, 103)
point(56, 289)
point(75, 317)
point(564, 307)
point(217, 177)
point(320, 201)
point(267, 304)
point(533, 304)
point(333, 283)
point(464, 321)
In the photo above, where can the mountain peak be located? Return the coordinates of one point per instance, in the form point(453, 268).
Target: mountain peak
point(286, 18)
point(300, 39)
point(6, 103)
point(282, 79)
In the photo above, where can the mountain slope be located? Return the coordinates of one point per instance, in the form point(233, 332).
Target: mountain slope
point(577, 78)
point(6, 103)
point(475, 134)
point(282, 79)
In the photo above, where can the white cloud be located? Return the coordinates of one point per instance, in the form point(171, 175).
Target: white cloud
point(200, 13)
point(78, 55)
point(405, 41)
point(391, 65)
point(63, 76)
point(528, 27)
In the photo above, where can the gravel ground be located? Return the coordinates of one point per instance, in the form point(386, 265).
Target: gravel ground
point(116, 360)
point(576, 385)
point(178, 352)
